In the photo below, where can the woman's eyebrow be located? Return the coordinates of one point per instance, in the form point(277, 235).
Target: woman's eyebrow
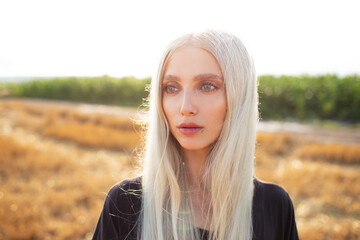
point(212, 76)
point(169, 77)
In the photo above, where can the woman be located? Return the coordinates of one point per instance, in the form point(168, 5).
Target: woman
point(198, 180)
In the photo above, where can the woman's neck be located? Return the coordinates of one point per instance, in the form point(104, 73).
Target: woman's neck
point(195, 162)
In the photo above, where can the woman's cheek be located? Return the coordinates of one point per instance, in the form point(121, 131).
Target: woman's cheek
point(170, 108)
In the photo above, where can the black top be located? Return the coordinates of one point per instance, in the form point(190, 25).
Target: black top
point(273, 212)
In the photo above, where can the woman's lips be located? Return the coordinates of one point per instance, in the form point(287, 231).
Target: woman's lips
point(189, 128)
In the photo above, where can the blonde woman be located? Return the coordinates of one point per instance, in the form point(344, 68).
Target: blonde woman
point(198, 179)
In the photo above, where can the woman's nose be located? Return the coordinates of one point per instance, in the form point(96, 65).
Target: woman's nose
point(188, 106)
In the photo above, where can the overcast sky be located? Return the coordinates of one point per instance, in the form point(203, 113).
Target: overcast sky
point(125, 38)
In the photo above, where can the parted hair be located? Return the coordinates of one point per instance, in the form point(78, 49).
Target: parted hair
point(166, 208)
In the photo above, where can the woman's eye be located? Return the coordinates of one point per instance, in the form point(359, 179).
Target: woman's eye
point(171, 89)
point(208, 87)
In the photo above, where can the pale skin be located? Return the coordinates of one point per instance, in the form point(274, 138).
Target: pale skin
point(194, 93)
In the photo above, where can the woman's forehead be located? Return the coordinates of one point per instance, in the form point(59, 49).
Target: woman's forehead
point(192, 60)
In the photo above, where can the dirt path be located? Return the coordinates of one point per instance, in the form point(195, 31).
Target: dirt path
point(80, 107)
point(312, 132)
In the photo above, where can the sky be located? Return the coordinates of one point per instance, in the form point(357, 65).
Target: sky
point(126, 38)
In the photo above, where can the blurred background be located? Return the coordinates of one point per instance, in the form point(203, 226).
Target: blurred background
point(74, 74)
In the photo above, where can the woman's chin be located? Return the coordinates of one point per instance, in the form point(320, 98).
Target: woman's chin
point(193, 146)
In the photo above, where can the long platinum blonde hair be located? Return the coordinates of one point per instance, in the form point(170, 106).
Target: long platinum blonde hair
point(166, 211)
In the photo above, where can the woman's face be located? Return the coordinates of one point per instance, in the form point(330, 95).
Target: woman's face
point(194, 98)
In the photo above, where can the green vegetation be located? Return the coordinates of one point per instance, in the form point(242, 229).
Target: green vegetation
point(323, 97)
point(127, 91)
point(310, 97)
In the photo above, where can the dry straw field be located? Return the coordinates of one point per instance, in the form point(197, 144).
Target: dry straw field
point(58, 160)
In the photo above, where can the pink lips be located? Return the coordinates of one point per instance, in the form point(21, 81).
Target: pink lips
point(189, 128)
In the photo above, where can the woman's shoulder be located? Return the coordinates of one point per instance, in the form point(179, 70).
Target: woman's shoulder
point(128, 186)
point(273, 212)
point(121, 210)
point(270, 191)
point(271, 199)
point(124, 197)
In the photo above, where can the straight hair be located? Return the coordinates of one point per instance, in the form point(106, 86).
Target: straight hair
point(229, 172)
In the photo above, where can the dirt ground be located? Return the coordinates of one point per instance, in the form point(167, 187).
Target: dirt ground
point(51, 176)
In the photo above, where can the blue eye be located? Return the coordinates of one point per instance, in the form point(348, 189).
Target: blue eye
point(208, 87)
point(171, 89)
